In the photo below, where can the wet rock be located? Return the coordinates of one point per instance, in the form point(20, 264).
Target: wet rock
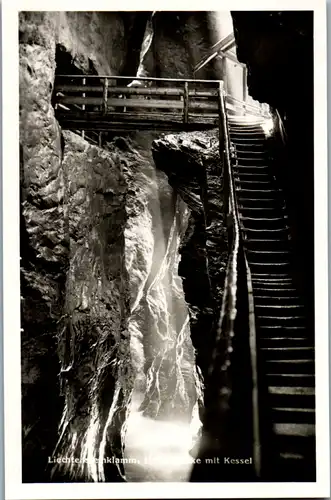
point(100, 232)
point(44, 244)
point(158, 322)
point(191, 161)
point(94, 346)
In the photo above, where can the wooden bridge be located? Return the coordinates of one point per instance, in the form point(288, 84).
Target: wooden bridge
point(119, 103)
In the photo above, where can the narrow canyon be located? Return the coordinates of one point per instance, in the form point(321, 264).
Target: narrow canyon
point(124, 245)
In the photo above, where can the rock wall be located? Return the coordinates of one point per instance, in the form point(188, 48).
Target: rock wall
point(122, 263)
point(174, 43)
point(73, 277)
point(94, 345)
point(193, 166)
point(102, 303)
point(159, 317)
point(44, 243)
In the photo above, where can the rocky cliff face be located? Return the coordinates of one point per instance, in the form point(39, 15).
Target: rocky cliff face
point(103, 308)
point(44, 244)
point(94, 347)
point(192, 163)
point(175, 43)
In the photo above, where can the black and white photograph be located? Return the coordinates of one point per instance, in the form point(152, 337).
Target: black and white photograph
point(170, 317)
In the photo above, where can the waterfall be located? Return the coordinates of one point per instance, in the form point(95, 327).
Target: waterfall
point(158, 428)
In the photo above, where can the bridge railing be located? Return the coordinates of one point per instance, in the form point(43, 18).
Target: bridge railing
point(99, 97)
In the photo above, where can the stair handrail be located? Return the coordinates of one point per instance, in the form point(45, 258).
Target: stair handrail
point(229, 311)
point(236, 248)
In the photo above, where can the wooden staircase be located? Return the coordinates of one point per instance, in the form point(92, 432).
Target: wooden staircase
point(285, 344)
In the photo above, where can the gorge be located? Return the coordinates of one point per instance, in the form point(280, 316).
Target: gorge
point(124, 246)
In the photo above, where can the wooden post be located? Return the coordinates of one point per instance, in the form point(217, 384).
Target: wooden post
point(221, 131)
point(224, 146)
point(186, 102)
point(244, 88)
point(225, 76)
point(105, 95)
point(83, 105)
point(100, 139)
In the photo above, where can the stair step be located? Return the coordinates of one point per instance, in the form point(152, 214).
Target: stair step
point(269, 255)
point(270, 353)
point(272, 267)
point(244, 125)
point(240, 142)
point(271, 235)
point(244, 122)
point(295, 429)
point(273, 292)
point(252, 184)
point(264, 193)
point(266, 220)
point(253, 176)
point(240, 150)
point(281, 330)
point(292, 391)
point(289, 349)
point(246, 139)
point(249, 161)
point(276, 269)
point(291, 379)
point(294, 341)
point(251, 169)
point(276, 265)
point(293, 415)
point(275, 319)
point(277, 300)
point(287, 399)
point(258, 244)
point(262, 203)
point(241, 121)
point(236, 134)
point(300, 444)
point(248, 130)
point(273, 287)
point(276, 225)
point(292, 456)
point(250, 136)
point(261, 178)
point(278, 232)
point(279, 307)
point(272, 278)
point(291, 341)
point(298, 366)
point(259, 211)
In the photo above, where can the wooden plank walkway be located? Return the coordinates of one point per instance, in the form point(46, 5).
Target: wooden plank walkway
point(113, 103)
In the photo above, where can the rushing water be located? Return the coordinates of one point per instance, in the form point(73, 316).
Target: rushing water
point(159, 449)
